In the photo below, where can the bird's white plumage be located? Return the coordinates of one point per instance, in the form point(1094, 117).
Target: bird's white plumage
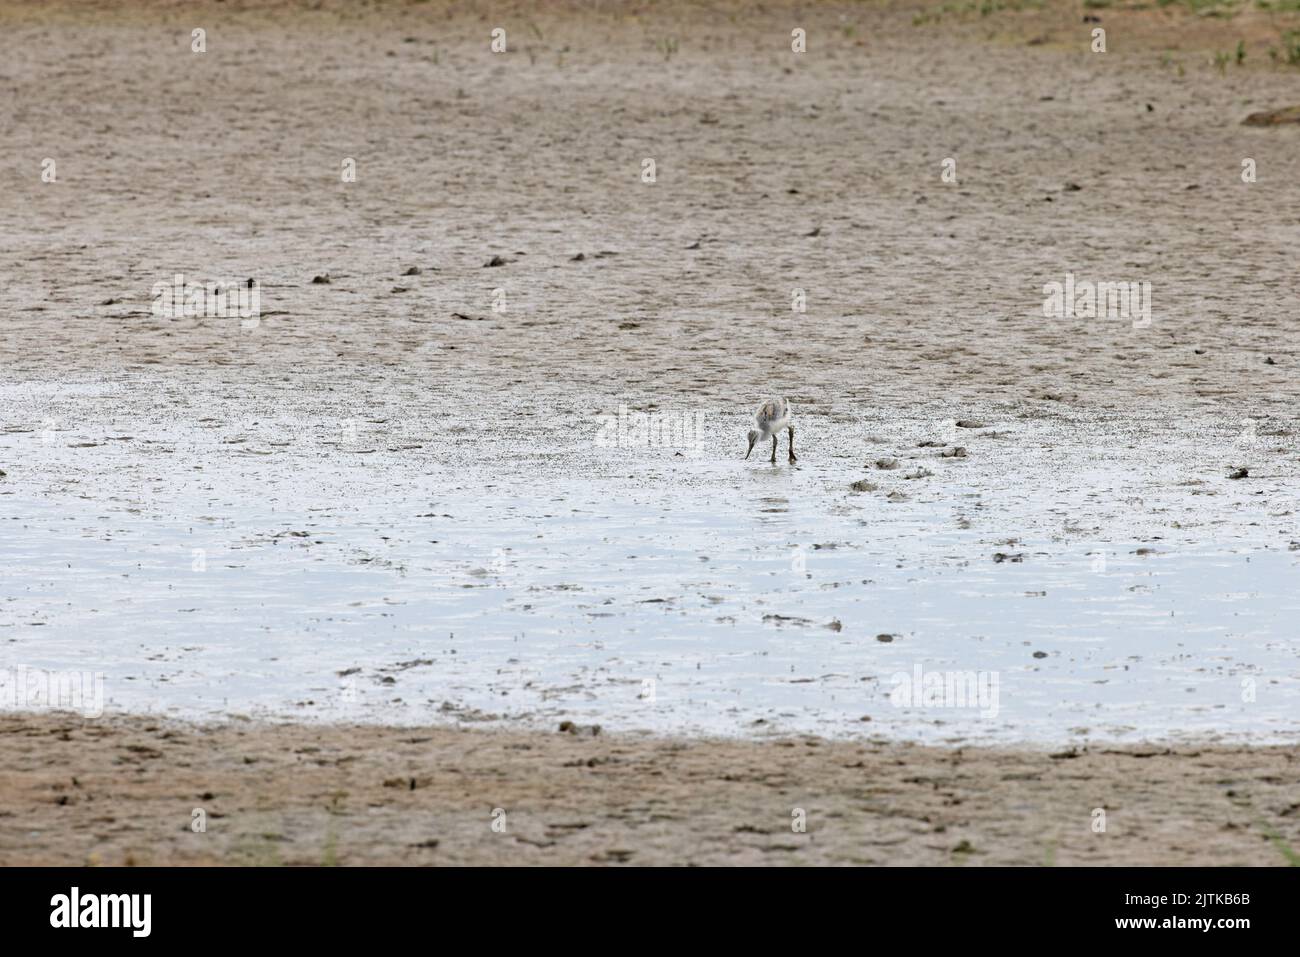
point(771, 417)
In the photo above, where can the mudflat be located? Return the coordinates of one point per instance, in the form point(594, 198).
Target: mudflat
point(464, 271)
point(126, 791)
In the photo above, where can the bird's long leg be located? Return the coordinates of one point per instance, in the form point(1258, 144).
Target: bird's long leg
point(791, 431)
point(773, 459)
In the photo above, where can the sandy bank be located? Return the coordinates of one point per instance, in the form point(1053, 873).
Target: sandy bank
point(124, 790)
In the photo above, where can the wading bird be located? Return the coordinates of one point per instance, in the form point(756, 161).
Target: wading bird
point(772, 416)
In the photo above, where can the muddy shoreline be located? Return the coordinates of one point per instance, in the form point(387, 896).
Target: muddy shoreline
point(125, 790)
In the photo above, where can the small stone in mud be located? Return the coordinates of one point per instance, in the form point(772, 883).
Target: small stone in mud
point(413, 271)
point(787, 619)
point(817, 231)
point(322, 280)
point(835, 625)
point(1288, 114)
point(885, 638)
point(1268, 361)
point(929, 444)
point(897, 496)
point(1240, 473)
point(495, 261)
point(970, 424)
point(694, 245)
point(570, 727)
point(1004, 557)
point(1040, 654)
point(864, 486)
point(578, 258)
point(958, 452)
point(886, 463)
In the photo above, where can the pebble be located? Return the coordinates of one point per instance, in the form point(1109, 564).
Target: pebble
point(570, 727)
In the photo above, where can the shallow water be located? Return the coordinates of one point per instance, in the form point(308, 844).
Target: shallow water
point(632, 588)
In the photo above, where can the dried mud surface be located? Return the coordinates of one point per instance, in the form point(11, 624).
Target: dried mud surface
point(124, 791)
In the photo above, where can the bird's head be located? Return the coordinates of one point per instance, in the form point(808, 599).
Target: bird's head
point(753, 437)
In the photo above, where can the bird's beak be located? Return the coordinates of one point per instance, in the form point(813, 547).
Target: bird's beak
point(750, 449)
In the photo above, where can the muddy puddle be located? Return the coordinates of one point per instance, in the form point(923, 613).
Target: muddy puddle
point(306, 571)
